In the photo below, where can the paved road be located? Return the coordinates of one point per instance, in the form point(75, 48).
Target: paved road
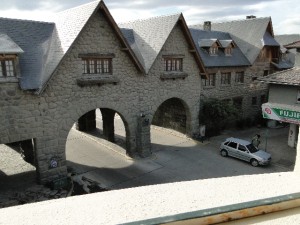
point(175, 158)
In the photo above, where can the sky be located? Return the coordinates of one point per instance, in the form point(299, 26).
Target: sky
point(284, 13)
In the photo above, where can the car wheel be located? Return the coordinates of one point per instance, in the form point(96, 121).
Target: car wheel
point(254, 162)
point(224, 153)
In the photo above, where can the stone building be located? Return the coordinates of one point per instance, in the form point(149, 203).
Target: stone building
point(235, 54)
point(56, 74)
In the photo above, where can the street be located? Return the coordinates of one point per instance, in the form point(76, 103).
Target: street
point(175, 158)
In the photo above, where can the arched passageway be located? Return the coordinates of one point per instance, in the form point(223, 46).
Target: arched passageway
point(172, 114)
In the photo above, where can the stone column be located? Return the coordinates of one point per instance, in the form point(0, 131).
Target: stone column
point(108, 117)
point(292, 135)
point(87, 122)
point(143, 136)
point(50, 160)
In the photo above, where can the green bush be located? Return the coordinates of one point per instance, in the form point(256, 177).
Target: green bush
point(216, 114)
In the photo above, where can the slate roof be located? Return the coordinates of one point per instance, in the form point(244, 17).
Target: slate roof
point(287, 38)
point(207, 42)
point(147, 37)
point(200, 36)
point(295, 44)
point(8, 46)
point(45, 44)
point(38, 41)
point(289, 43)
point(285, 77)
point(247, 34)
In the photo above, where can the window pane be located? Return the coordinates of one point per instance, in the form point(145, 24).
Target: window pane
point(9, 68)
point(232, 145)
point(106, 66)
point(92, 66)
point(85, 66)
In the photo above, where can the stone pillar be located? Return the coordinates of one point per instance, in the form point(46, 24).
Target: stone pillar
point(292, 135)
point(50, 160)
point(87, 122)
point(143, 136)
point(108, 117)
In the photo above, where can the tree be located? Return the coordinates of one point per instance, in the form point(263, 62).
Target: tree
point(216, 114)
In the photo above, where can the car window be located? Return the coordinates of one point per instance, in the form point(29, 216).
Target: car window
point(232, 144)
point(226, 143)
point(242, 148)
point(252, 148)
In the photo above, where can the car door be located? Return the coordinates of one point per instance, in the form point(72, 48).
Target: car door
point(232, 149)
point(243, 153)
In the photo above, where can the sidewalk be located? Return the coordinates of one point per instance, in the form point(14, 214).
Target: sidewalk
point(273, 140)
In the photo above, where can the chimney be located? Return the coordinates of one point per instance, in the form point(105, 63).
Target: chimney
point(250, 17)
point(207, 25)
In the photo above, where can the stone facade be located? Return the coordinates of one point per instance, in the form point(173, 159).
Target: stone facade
point(47, 118)
point(240, 92)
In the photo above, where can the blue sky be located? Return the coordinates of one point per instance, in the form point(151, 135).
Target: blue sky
point(284, 13)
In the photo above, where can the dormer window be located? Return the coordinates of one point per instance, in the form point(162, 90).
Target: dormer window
point(7, 68)
point(210, 45)
point(9, 52)
point(228, 46)
point(213, 50)
point(228, 51)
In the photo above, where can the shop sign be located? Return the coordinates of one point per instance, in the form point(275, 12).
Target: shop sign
point(284, 115)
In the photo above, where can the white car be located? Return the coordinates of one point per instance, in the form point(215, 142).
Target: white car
point(244, 150)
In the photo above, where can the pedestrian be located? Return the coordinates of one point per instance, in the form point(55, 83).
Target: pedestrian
point(256, 140)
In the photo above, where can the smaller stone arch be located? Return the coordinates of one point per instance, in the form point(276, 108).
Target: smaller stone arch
point(173, 113)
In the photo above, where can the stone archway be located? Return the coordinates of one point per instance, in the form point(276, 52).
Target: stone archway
point(172, 113)
point(89, 123)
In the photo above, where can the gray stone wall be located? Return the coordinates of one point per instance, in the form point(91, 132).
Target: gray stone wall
point(48, 118)
point(247, 90)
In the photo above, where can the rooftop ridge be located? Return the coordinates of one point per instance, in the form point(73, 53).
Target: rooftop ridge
point(25, 20)
point(150, 18)
point(230, 21)
point(79, 6)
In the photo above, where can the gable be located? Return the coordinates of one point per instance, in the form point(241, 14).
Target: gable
point(147, 37)
point(69, 25)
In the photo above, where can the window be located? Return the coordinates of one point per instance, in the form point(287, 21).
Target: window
point(242, 148)
point(210, 81)
point(254, 100)
point(228, 51)
point(239, 77)
point(232, 144)
point(97, 65)
point(225, 78)
point(7, 68)
point(213, 50)
point(173, 64)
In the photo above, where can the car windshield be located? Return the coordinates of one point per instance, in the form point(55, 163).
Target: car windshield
point(252, 148)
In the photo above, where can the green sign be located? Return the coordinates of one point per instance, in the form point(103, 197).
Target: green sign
point(284, 115)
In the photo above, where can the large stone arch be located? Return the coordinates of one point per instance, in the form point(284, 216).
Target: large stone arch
point(108, 113)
